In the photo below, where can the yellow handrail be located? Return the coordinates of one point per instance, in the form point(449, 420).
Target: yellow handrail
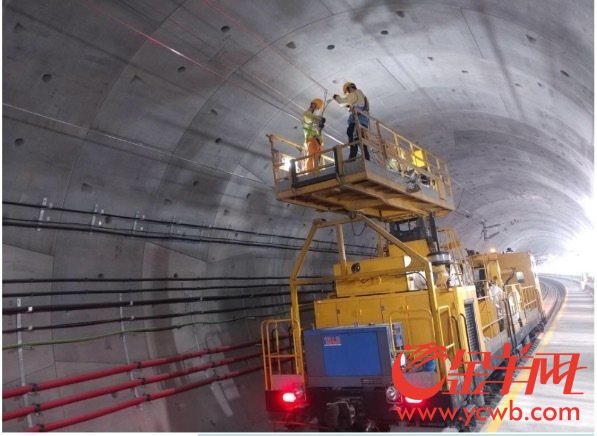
point(276, 357)
point(399, 154)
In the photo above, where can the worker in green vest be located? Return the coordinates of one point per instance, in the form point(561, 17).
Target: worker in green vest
point(312, 127)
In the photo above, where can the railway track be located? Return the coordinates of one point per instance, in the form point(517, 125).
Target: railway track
point(554, 292)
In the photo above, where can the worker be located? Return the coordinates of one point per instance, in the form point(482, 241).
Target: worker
point(354, 99)
point(312, 127)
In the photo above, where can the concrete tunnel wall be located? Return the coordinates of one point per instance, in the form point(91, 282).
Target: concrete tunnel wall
point(98, 116)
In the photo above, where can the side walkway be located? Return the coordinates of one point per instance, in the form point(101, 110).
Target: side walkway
point(571, 332)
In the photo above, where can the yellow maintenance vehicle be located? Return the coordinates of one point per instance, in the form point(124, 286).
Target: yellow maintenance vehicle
point(330, 364)
point(509, 296)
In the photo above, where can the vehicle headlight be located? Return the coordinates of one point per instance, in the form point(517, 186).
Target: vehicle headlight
point(392, 394)
point(299, 392)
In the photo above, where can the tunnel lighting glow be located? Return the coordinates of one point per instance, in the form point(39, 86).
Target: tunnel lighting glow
point(492, 250)
point(579, 255)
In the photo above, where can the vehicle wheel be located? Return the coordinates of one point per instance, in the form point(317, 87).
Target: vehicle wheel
point(383, 427)
point(322, 426)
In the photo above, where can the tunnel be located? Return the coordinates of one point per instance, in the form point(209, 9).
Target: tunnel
point(140, 218)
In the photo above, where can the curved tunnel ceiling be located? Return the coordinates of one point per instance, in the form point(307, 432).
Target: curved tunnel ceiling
point(163, 106)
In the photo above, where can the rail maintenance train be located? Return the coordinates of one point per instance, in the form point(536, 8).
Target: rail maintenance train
point(332, 366)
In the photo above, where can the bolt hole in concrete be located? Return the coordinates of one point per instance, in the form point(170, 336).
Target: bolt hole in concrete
point(108, 219)
point(19, 141)
point(100, 276)
point(225, 29)
point(464, 72)
point(331, 47)
point(291, 45)
point(181, 69)
point(564, 73)
point(384, 32)
point(218, 140)
point(46, 77)
point(400, 14)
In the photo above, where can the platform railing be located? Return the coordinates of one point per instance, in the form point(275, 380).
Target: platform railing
point(401, 155)
point(387, 148)
point(531, 300)
point(449, 242)
point(276, 354)
point(499, 319)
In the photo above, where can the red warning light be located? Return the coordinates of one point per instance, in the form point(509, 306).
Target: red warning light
point(289, 397)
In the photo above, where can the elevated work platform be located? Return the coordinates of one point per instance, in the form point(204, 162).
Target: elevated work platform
point(401, 179)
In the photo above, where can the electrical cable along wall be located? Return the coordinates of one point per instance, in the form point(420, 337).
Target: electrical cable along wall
point(139, 381)
point(142, 227)
point(252, 301)
point(97, 319)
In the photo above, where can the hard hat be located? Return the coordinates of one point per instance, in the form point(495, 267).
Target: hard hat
point(348, 85)
point(318, 102)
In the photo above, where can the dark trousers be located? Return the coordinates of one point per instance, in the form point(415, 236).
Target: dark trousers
point(354, 149)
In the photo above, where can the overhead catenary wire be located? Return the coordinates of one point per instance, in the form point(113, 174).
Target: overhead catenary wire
point(136, 144)
point(226, 77)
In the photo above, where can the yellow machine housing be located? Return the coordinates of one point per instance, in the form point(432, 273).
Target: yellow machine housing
point(379, 298)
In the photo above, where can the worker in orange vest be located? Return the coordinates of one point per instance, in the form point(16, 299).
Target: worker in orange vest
point(312, 127)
